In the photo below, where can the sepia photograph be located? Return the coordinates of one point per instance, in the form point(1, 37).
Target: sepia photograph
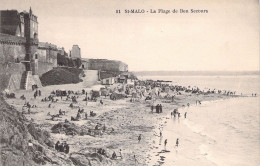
point(129, 83)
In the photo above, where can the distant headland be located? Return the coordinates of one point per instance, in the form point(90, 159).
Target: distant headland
point(197, 73)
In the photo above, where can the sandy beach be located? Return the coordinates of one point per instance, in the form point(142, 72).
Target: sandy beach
point(128, 120)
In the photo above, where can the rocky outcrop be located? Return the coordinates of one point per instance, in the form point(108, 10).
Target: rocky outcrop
point(21, 142)
point(67, 128)
point(88, 159)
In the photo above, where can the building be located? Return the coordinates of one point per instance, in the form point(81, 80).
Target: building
point(85, 63)
point(75, 52)
point(108, 81)
point(62, 51)
point(22, 56)
point(12, 23)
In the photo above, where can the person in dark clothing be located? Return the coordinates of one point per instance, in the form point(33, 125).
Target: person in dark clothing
point(185, 114)
point(62, 147)
point(157, 108)
point(160, 107)
point(57, 146)
point(177, 142)
point(66, 148)
point(139, 138)
point(114, 155)
point(28, 105)
point(172, 98)
point(165, 142)
point(103, 152)
point(99, 150)
point(174, 111)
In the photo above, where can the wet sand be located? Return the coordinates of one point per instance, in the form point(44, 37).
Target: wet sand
point(128, 119)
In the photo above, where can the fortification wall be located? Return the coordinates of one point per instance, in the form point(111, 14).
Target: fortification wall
point(42, 55)
point(14, 82)
point(12, 68)
point(10, 52)
point(10, 75)
point(47, 54)
point(107, 65)
point(44, 67)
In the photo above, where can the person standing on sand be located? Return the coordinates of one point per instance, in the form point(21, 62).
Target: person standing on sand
point(165, 143)
point(135, 160)
point(177, 142)
point(157, 108)
point(57, 146)
point(185, 115)
point(120, 154)
point(139, 138)
point(62, 147)
point(172, 98)
point(66, 148)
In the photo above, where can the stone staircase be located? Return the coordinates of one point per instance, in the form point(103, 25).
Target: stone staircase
point(24, 80)
point(28, 80)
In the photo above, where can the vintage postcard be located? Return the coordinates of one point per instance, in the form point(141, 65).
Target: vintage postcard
point(129, 82)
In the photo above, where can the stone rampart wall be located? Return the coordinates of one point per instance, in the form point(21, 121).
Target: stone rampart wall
point(107, 65)
point(44, 67)
point(10, 52)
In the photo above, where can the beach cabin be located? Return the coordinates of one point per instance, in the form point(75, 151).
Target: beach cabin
point(130, 81)
point(121, 79)
point(108, 81)
point(61, 92)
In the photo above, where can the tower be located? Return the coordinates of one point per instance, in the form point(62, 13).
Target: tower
point(31, 35)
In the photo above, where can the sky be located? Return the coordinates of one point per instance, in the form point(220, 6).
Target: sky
point(224, 39)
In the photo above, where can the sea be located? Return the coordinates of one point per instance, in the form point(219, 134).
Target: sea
point(223, 132)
